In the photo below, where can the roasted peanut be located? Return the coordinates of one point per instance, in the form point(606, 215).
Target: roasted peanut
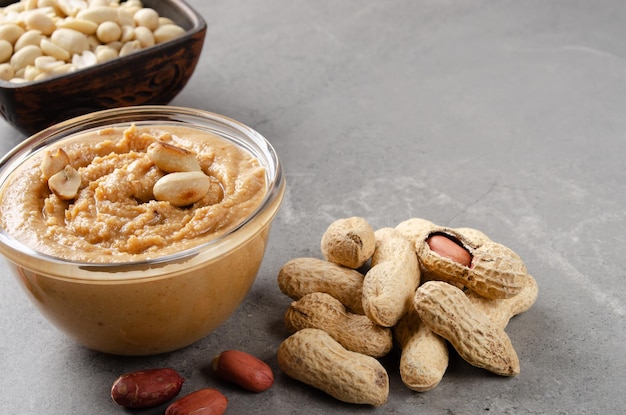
point(243, 369)
point(170, 158)
point(53, 162)
point(447, 311)
point(355, 332)
point(349, 242)
point(389, 285)
point(206, 401)
point(494, 270)
point(301, 276)
point(424, 357)
point(146, 388)
point(182, 188)
point(313, 357)
point(500, 311)
point(66, 183)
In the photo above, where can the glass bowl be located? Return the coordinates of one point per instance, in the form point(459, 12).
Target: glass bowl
point(162, 303)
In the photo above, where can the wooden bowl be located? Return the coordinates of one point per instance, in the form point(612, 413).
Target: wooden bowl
point(153, 75)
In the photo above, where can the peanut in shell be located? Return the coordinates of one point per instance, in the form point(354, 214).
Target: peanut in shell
point(447, 311)
point(495, 271)
point(313, 357)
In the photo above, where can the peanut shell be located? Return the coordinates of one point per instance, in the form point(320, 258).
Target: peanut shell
point(495, 270)
point(301, 276)
point(389, 285)
point(447, 311)
point(349, 242)
point(424, 357)
point(355, 332)
point(313, 357)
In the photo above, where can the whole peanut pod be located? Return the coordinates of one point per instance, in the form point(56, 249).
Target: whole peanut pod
point(355, 332)
point(424, 357)
point(313, 357)
point(486, 267)
point(349, 242)
point(500, 311)
point(414, 228)
point(301, 276)
point(447, 311)
point(389, 285)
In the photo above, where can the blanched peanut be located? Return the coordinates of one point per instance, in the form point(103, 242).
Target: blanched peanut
point(6, 50)
point(11, 32)
point(389, 285)
point(108, 32)
point(130, 47)
point(6, 72)
point(64, 28)
point(349, 242)
point(167, 32)
point(30, 37)
point(355, 332)
point(105, 53)
point(148, 18)
point(86, 27)
point(25, 56)
point(98, 14)
point(144, 36)
point(40, 21)
point(52, 49)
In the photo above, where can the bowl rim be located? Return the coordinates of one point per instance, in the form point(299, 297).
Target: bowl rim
point(275, 182)
point(198, 25)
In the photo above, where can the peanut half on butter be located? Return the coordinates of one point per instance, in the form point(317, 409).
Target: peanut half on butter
point(183, 184)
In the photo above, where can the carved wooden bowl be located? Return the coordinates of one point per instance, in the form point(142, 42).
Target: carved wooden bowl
point(153, 75)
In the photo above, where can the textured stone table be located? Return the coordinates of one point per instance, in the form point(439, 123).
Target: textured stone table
point(503, 116)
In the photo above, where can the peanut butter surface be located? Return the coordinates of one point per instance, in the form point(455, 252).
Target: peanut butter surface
point(115, 217)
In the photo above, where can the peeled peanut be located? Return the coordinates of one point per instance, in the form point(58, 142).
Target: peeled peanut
point(71, 40)
point(146, 388)
point(447, 311)
point(206, 401)
point(301, 276)
point(108, 31)
point(65, 183)
point(244, 370)
point(38, 20)
point(182, 188)
point(389, 285)
point(355, 332)
point(98, 14)
point(6, 50)
point(25, 56)
point(11, 32)
point(148, 18)
point(170, 158)
point(167, 32)
point(349, 242)
point(313, 357)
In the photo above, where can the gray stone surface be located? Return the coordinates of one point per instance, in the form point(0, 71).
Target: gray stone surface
point(504, 116)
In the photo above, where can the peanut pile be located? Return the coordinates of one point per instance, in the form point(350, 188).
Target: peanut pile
point(421, 285)
point(44, 38)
